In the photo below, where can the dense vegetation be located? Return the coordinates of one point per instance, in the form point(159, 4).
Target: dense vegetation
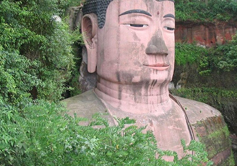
point(40, 135)
point(206, 11)
point(36, 64)
point(36, 57)
point(219, 58)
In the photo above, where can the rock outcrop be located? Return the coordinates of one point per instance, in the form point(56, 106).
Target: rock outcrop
point(205, 34)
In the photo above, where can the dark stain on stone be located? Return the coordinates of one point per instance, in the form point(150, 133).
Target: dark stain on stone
point(156, 46)
point(120, 89)
point(135, 37)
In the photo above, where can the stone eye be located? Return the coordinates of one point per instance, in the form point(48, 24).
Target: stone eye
point(138, 25)
point(169, 28)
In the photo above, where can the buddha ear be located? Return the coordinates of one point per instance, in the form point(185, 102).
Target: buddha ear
point(89, 33)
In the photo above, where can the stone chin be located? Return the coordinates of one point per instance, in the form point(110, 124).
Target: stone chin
point(145, 76)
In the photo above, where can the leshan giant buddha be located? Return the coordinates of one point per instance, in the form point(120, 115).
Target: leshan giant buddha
point(131, 46)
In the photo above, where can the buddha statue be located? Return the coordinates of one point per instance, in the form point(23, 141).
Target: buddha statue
point(131, 46)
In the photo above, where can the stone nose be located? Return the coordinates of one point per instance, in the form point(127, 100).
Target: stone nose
point(156, 46)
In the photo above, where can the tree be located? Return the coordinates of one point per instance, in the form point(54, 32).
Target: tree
point(35, 51)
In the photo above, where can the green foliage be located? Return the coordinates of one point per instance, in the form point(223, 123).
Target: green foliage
point(199, 155)
point(225, 56)
point(188, 53)
point(73, 83)
point(208, 11)
point(35, 51)
point(190, 10)
point(16, 78)
point(40, 134)
point(217, 134)
point(195, 155)
point(57, 64)
point(207, 94)
point(221, 58)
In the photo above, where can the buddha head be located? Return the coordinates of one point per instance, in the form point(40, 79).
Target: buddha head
point(130, 41)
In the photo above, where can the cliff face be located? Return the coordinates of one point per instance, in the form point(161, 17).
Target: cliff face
point(209, 35)
point(205, 34)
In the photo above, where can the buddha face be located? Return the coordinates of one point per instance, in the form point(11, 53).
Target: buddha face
point(136, 43)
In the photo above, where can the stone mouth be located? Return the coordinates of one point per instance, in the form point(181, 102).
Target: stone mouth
point(158, 66)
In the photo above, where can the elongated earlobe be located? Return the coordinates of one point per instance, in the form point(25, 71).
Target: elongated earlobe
point(89, 32)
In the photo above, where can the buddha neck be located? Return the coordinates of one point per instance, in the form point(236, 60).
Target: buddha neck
point(135, 98)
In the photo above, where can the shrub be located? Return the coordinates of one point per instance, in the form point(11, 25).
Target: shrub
point(40, 134)
point(188, 53)
point(35, 51)
point(205, 11)
point(222, 58)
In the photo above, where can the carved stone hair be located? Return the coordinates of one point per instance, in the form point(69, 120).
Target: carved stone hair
point(99, 8)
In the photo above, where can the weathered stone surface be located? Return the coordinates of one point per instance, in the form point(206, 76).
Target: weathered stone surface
point(205, 34)
point(86, 105)
point(87, 81)
point(222, 156)
point(213, 132)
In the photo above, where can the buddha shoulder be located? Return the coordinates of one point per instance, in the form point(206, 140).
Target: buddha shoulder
point(197, 111)
point(84, 105)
